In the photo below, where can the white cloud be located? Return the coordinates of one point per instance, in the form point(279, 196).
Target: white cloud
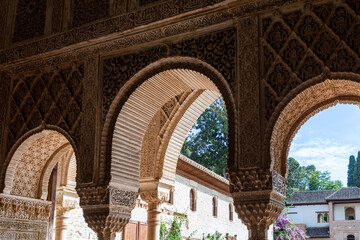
point(325, 154)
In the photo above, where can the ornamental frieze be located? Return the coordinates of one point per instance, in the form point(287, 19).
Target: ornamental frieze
point(148, 14)
point(13, 207)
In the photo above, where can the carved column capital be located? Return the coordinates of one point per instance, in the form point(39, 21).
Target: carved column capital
point(154, 192)
point(256, 179)
point(258, 198)
point(66, 200)
point(106, 209)
point(154, 196)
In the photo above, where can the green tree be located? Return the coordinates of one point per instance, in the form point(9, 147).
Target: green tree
point(350, 172)
point(207, 141)
point(357, 171)
point(292, 183)
point(302, 178)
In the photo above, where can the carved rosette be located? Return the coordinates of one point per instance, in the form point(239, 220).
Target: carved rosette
point(258, 198)
point(107, 210)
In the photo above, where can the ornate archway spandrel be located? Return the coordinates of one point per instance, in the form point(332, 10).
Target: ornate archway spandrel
point(222, 58)
point(301, 43)
point(52, 97)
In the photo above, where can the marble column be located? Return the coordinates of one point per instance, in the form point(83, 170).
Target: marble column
point(153, 220)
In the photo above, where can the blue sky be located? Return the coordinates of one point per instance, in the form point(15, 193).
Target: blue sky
point(328, 139)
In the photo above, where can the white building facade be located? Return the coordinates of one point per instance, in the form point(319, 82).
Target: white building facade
point(212, 209)
point(333, 214)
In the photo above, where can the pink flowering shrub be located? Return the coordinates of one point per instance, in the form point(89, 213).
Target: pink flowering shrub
point(285, 230)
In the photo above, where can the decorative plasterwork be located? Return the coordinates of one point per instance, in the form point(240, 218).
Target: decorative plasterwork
point(152, 13)
point(256, 179)
point(136, 114)
point(303, 46)
point(62, 157)
point(13, 230)
point(161, 77)
point(30, 19)
point(217, 49)
point(303, 42)
point(51, 97)
point(305, 105)
point(167, 131)
point(25, 170)
point(29, 168)
point(22, 208)
point(258, 210)
point(106, 209)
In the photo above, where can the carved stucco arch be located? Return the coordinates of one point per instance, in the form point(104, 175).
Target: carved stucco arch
point(63, 158)
point(304, 102)
point(24, 149)
point(188, 74)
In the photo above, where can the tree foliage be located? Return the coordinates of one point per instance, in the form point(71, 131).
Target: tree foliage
point(357, 171)
point(302, 178)
point(353, 173)
point(350, 172)
point(207, 141)
point(173, 232)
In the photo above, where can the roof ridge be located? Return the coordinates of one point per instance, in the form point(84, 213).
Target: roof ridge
point(328, 197)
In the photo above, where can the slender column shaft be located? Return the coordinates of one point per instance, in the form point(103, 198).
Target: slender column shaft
point(257, 232)
point(106, 235)
point(60, 227)
point(153, 221)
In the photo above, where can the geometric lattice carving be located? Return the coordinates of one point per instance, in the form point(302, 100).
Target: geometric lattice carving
point(53, 97)
point(30, 19)
point(217, 49)
point(29, 168)
point(298, 45)
point(86, 11)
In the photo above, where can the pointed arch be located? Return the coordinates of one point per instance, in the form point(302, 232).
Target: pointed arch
point(303, 103)
point(41, 144)
point(136, 105)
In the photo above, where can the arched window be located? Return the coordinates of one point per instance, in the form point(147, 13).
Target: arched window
point(349, 213)
point(192, 200)
point(350, 237)
point(230, 212)
point(214, 202)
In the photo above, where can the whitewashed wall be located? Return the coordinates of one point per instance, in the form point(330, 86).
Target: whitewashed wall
point(307, 214)
point(201, 221)
point(339, 210)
